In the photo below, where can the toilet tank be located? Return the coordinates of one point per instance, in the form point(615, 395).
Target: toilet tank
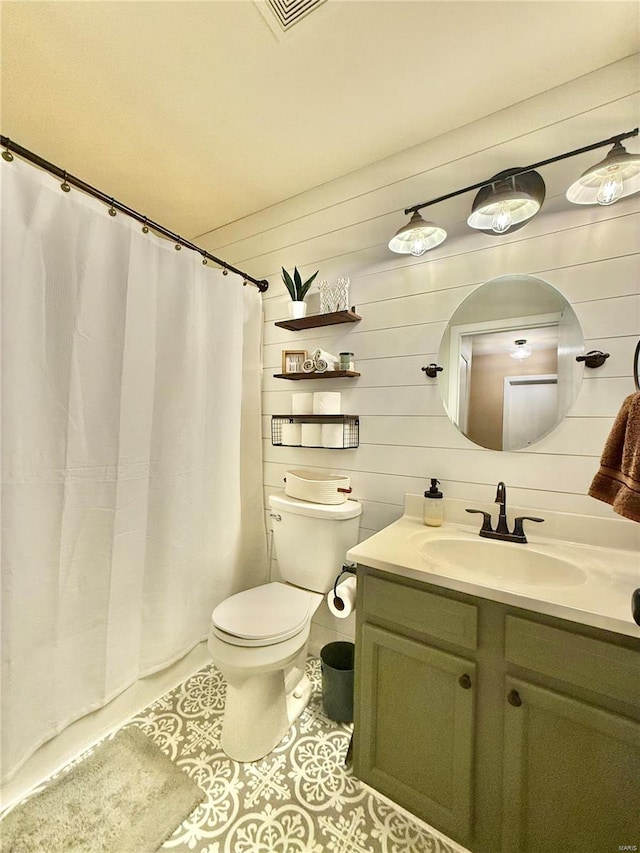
point(312, 539)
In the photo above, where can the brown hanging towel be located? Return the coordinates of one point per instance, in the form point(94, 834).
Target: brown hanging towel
point(618, 479)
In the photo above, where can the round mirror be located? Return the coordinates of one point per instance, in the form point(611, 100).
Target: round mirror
point(508, 355)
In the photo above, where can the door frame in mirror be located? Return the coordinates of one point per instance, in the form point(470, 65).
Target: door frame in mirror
point(457, 333)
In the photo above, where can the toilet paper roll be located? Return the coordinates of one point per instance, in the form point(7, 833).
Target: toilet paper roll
point(332, 435)
point(327, 403)
point(302, 404)
point(292, 435)
point(311, 435)
point(343, 603)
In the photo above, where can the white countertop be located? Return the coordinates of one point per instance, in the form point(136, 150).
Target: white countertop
point(602, 599)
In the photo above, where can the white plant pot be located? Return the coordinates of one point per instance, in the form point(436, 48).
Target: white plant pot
point(297, 310)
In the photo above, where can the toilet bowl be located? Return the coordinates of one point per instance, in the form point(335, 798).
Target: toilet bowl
point(267, 688)
point(258, 638)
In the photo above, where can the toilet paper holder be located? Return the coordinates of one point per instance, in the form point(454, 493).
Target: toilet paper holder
point(347, 568)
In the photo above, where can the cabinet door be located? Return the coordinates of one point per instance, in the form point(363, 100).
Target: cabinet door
point(414, 730)
point(571, 774)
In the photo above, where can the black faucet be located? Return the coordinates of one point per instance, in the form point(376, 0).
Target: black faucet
point(501, 498)
point(502, 530)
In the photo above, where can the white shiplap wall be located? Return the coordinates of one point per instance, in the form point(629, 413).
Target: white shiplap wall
point(590, 255)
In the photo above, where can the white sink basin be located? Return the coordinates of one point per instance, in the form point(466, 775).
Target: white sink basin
point(499, 561)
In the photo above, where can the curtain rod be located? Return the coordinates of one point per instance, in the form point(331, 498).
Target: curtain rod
point(11, 146)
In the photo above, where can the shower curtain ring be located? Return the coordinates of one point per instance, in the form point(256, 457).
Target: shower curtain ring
point(145, 227)
point(225, 271)
point(178, 246)
point(64, 186)
point(7, 155)
point(112, 210)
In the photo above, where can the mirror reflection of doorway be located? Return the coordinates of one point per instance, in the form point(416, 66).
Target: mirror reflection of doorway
point(505, 402)
point(530, 409)
point(483, 331)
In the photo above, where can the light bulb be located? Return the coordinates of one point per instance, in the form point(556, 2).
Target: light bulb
point(611, 188)
point(418, 245)
point(502, 219)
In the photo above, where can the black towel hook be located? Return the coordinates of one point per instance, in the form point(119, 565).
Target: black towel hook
point(432, 370)
point(595, 358)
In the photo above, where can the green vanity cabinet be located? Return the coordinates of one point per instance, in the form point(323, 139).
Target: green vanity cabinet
point(416, 742)
point(509, 731)
point(416, 716)
point(571, 741)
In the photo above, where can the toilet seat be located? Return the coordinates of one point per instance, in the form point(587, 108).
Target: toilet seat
point(263, 616)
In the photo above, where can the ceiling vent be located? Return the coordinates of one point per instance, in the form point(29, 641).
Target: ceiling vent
point(286, 13)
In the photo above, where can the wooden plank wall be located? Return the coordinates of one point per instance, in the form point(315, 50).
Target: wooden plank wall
point(342, 228)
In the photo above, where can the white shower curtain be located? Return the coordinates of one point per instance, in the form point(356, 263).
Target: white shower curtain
point(131, 458)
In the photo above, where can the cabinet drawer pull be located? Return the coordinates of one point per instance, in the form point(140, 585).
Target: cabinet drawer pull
point(465, 681)
point(514, 698)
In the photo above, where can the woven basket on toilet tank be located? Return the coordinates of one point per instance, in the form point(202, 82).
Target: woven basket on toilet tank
point(317, 488)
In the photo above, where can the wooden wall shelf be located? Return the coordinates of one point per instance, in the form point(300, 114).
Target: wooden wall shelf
point(328, 374)
point(316, 320)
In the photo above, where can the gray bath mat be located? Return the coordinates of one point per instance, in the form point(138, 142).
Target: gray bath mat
point(126, 797)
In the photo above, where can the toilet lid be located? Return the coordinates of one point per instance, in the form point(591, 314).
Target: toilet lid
point(272, 612)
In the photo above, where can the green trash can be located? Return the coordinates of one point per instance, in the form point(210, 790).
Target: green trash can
point(336, 663)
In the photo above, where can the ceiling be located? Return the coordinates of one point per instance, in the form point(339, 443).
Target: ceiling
point(200, 113)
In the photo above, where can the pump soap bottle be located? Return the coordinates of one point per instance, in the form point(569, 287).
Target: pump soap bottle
point(433, 510)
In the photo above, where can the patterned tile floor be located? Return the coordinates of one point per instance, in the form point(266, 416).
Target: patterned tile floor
point(298, 799)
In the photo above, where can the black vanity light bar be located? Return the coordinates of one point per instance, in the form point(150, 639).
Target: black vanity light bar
point(610, 141)
point(11, 146)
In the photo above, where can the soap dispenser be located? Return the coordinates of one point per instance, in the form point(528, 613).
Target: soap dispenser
point(433, 510)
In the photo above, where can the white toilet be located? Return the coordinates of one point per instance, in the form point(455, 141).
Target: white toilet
point(259, 637)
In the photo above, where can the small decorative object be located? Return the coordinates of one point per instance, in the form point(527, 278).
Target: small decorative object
point(326, 297)
point(298, 289)
point(292, 360)
point(347, 361)
point(342, 294)
point(297, 310)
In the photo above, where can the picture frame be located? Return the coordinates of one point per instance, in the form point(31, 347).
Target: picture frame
point(293, 359)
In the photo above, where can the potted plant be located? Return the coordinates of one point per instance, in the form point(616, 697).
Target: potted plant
point(298, 289)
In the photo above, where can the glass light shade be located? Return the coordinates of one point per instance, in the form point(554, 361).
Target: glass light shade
point(502, 209)
point(507, 201)
point(417, 237)
point(520, 349)
point(617, 176)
